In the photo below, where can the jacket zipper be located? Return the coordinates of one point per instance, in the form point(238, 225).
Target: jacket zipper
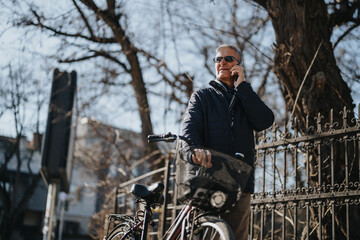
point(231, 114)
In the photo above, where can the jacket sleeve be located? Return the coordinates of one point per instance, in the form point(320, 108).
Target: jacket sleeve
point(258, 114)
point(192, 127)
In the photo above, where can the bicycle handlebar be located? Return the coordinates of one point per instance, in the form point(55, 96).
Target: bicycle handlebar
point(168, 137)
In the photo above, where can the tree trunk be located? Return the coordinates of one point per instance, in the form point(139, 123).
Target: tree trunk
point(112, 20)
point(141, 94)
point(301, 28)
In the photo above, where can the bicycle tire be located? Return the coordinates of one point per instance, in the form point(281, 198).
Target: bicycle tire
point(122, 230)
point(211, 227)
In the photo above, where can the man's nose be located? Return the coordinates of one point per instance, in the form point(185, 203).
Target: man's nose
point(222, 62)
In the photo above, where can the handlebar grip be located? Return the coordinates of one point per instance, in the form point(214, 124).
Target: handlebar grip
point(162, 137)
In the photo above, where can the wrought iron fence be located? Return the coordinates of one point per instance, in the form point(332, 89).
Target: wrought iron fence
point(307, 186)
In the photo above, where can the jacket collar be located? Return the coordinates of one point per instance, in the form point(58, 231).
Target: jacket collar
point(223, 89)
point(219, 85)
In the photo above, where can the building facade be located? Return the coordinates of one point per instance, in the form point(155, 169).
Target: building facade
point(102, 158)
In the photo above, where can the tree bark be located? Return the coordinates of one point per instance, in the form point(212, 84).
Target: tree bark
point(300, 28)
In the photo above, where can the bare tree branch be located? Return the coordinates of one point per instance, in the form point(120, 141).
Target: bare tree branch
point(344, 11)
point(261, 3)
point(237, 35)
point(85, 20)
point(55, 31)
point(97, 53)
point(345, 34)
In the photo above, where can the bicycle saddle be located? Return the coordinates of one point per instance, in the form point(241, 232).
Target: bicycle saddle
point(152, 193)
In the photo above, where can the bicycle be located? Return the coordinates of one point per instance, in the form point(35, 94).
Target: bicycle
point(205, 193)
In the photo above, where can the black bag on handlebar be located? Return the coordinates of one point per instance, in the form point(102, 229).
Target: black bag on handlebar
point(195, 184)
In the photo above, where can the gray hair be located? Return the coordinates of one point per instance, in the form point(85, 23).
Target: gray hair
point(237, 50)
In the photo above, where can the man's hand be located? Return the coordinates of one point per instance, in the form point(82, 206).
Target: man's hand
point(202, 157)
point(239, 71)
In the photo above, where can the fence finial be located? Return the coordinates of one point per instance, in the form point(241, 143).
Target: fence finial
point(345, 116)
point(318, 122)
point(274, 130)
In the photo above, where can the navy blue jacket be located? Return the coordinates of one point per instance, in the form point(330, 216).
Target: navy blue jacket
point(209, 123)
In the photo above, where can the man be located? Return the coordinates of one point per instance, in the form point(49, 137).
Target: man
point(223, 117)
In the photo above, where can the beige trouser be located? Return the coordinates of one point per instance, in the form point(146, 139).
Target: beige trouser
point(238, 217)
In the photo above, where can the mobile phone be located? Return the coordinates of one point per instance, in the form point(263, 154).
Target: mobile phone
point(235, 77)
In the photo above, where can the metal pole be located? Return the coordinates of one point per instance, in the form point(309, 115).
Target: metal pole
point(164, 211)
point(49, 212)
point(116, 200)
point(62, 198)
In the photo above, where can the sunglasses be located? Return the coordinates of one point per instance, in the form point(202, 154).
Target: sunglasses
point(227, 59)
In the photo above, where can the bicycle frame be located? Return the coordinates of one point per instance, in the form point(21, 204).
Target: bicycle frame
point(178, 227)
point(180, 223)
point(131, 230)
point(184, 219)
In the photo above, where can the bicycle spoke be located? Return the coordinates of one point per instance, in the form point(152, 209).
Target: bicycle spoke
point(210, 234)
point(212, 228)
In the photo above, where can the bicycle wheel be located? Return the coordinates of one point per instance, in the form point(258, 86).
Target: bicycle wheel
point(122, 230)
point(211, 227)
